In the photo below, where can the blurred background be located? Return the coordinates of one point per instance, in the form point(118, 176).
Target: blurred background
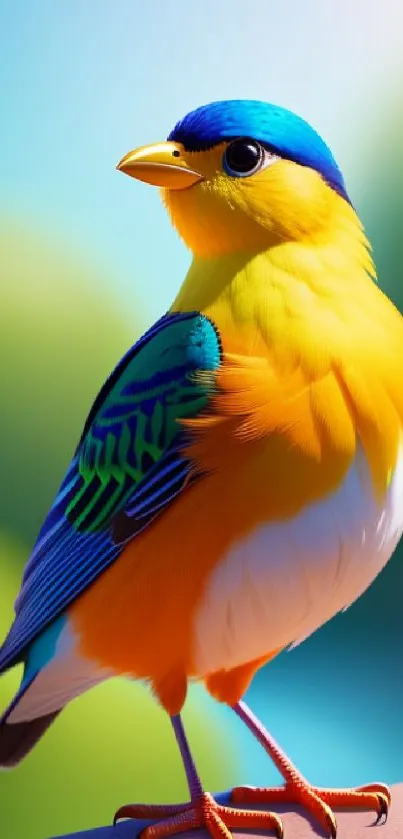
point(88, 259)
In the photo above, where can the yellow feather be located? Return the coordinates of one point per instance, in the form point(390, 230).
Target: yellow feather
point(313, 349)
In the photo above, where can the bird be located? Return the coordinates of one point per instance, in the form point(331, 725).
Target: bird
point(239, 477)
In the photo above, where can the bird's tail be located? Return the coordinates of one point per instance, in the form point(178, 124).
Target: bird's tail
point(18, 738)
point(46, 688)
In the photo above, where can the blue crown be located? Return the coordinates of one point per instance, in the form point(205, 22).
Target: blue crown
point(281, 130)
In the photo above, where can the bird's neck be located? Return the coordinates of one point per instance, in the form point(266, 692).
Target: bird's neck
point(256, 298)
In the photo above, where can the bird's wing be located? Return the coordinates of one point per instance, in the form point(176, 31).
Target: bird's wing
point(128, 466)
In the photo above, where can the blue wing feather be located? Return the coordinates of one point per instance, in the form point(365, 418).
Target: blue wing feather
point(67, 559)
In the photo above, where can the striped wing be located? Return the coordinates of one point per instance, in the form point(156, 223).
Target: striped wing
point(127, 468)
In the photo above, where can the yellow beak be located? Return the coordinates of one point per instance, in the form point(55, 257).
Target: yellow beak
point(162, 165)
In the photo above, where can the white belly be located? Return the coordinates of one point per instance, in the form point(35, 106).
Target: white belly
point(288, 578)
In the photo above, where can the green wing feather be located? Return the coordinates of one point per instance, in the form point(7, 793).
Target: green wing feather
point(133, 436)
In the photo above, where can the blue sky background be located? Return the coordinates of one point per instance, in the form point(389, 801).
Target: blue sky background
point(83, 81)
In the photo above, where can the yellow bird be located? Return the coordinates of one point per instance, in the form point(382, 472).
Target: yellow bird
point(239, 479)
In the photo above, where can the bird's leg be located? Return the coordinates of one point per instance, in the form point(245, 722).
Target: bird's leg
point(297, 789)
point(201, 811)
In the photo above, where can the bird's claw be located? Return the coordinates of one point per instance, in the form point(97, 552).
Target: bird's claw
point(383, 808)
point(319, 802)
point(149, 811)
point(383, 797)
point(205, 812)
point(331, 824)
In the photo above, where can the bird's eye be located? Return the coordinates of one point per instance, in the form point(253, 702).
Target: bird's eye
point(243, 157)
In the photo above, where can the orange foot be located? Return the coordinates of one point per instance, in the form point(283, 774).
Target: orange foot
point(318, 801)
point(205, 812)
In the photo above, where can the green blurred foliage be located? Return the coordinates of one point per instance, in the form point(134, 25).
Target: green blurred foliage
point(12, 555)
point(59, 339)
point(382, 191)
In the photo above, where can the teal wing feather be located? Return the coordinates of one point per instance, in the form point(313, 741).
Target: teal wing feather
point(128, 467)
point(129, 436)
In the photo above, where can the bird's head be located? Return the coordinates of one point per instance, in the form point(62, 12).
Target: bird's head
point(240, 175)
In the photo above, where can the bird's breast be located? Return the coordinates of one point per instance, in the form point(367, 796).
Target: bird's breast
point(283, 580)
